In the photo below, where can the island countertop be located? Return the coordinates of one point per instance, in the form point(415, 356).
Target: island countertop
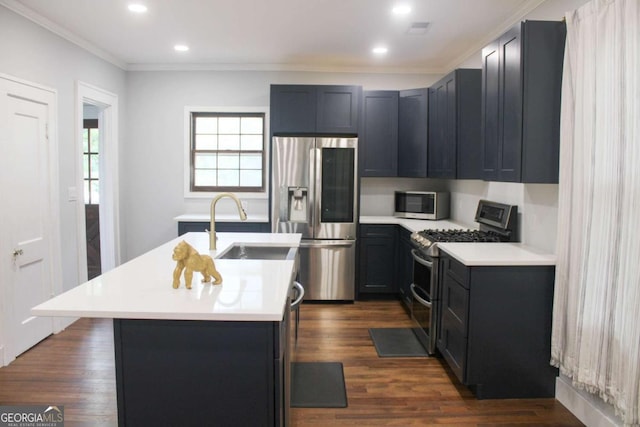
point(251, 290)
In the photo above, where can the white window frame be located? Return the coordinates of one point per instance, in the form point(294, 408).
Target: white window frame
point(187, 150)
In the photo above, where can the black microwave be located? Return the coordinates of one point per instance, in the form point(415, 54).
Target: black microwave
point(422, 204)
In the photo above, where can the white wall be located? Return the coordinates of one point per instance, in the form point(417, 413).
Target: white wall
point(31, 53)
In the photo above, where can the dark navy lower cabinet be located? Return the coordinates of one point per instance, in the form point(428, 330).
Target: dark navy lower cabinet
point(495, 328)
point(377, 259)
point(404, 272)
point(230, 227)
point(201, 373)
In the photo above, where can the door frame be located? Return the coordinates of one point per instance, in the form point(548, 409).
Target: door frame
point(49, 96)
point(107, 103)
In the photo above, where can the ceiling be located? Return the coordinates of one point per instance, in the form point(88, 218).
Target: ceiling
point(310, 35)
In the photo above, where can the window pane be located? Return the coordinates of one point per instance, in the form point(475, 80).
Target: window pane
point(227, 150)
point(85, 140)
point(250, 161)
point(206, 125)
point(94, 172)
point(252, 142)
point(251, 178)
point(229, 125)
point(94, 139)
point(206, 142)
point(228, 178)
point(252, 125)
point(228, 161)
point(85, 166)
point(95, 192)
point(205, 178)
point(229, 142)
point(86, 192)
point(205, 161)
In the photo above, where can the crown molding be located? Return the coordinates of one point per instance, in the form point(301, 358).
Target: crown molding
point(526, 8)
point(40, 20)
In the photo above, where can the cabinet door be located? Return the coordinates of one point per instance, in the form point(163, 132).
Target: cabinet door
point(337, 109)
point(510, 153)
point(379, 136)
point(377, 259)
point(490, 110)
point(293, 109)
point(468, 104)
point(452, 337)
point(442, 150)
point(405, 265)
point(413, 117)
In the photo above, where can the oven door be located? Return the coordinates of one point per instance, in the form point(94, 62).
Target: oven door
point(422, 302)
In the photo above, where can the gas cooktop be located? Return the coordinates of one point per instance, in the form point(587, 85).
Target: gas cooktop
point(498, 223)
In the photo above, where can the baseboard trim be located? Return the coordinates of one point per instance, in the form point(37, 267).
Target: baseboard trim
point(588, 408)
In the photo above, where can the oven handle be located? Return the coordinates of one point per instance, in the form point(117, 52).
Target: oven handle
point(417, 258)
point(419, 298)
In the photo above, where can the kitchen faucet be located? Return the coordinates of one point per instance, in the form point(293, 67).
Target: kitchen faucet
point(212, 233)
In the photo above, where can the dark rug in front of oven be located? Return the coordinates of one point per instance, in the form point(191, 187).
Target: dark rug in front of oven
point(396, 342)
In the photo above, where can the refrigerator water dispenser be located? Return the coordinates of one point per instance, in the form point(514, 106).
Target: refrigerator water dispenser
point(298, 204)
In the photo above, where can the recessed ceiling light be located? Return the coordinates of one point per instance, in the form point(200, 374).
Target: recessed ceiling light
point(137, 8)
point(181, 48)
point(380, 50)
point(401, 9)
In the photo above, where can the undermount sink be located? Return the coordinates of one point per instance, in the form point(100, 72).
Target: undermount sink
point(248, 251)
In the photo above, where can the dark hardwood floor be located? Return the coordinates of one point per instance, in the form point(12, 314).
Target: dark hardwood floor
point(76, 369)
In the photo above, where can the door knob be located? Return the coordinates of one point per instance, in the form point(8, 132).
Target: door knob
point(17, 252)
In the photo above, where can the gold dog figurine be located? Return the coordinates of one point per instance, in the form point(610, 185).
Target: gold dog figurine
point(190, 260)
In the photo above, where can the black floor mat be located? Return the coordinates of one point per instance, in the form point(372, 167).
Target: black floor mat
point(317, 385)
point(396, 342)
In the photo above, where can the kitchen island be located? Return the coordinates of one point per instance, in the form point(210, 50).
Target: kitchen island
point(210, 355)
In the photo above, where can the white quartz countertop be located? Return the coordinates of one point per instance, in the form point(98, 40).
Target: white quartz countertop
point(497, 254)
point(411, 224)
point(251, 290)
point(220, 218)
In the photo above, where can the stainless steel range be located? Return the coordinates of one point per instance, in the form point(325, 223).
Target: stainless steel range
point(497, 223)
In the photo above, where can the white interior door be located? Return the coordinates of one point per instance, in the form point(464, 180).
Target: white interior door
point(25, 219)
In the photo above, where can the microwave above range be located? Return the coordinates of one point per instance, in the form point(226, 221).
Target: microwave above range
point(422, 204)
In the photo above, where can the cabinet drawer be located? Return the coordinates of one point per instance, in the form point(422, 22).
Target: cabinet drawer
point(456, 270)
point(377, 230)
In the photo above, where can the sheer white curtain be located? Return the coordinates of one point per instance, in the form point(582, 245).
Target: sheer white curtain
point(596, 319)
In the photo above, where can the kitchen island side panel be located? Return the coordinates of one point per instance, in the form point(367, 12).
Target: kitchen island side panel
point(195, 373)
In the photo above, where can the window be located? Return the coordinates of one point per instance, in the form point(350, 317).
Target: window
point(90, 144)
point(227, 151)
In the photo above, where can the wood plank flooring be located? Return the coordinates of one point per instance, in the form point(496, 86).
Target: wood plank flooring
point(76, 369)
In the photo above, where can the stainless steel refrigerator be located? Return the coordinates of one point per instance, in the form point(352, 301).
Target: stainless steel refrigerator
point(314, 192)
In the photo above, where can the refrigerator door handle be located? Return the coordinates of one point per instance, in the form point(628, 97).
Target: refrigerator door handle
point(317, 193)
point(328, 244)
point(312, 190)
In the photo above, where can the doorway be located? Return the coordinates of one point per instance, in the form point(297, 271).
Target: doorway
point(98, 211)
point(91, 188)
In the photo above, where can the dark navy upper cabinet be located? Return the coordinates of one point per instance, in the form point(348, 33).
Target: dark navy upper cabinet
point(521, 88)
point(454, 126)
point(378, 144)
point(314, 109)
point(413, 133)
point(337, 109)
point(293, 108)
